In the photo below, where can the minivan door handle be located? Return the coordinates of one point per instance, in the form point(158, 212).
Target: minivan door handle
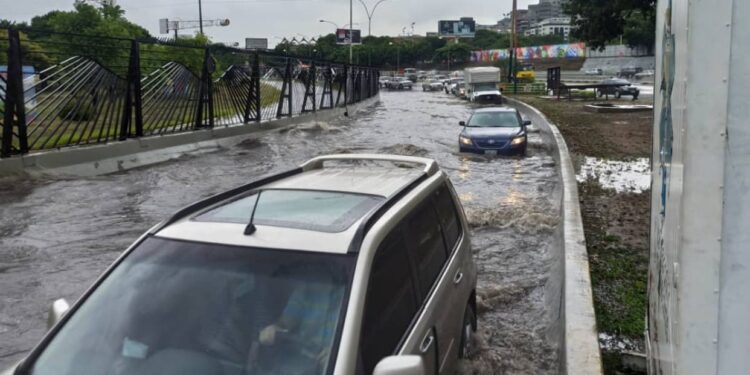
point(459, 276)
point(427, 342)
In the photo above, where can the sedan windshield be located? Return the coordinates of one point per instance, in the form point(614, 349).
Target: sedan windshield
point(174, 307)
point(494, 120)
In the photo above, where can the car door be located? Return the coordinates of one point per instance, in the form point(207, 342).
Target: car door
point(437, 276)
point(391, 304)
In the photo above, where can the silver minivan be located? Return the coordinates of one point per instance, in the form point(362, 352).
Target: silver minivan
point(349, 264)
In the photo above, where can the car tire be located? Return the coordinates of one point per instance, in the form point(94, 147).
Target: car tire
point(468, 327)
point(618, 95)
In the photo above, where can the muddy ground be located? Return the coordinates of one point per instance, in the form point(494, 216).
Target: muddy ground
point(616, 222)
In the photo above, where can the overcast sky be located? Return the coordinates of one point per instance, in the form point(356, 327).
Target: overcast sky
point(286, 18)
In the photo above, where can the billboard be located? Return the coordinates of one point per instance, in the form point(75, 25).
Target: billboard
point(256, 43)
point(552, 51)
point(465, 28)
point(342, 36)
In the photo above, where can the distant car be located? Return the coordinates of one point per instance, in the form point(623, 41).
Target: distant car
point(400, 83)
point(629, 71)
point(625, 88)
point(644, 75)
point(449, 83)
point(432, 85)
point(383, 81)
point(273, 276)
point(594, 72)
point(492, 131)
point(411, 74)
point(456, 87)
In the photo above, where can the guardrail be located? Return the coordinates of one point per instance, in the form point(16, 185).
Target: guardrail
point(65, 89)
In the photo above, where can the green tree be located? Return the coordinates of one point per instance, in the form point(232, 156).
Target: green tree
point(600, 21)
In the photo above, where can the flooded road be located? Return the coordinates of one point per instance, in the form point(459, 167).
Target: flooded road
point(57, 235)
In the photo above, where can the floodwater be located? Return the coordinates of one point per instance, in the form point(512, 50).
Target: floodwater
point(622, 176)
point(58, 234)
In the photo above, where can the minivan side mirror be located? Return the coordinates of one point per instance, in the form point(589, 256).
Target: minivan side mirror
point(526, 122)
point(401, 365)
point(462, 123)
point(56, 312)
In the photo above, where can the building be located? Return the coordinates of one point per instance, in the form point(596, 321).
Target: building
point(551, 26)
point(544, 10)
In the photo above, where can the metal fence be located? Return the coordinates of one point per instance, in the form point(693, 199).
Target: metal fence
point(63, 89)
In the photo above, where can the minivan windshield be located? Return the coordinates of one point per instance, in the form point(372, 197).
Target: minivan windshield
point(174, 307)
point(494, 120)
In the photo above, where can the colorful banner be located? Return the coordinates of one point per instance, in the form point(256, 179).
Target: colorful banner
point(559, 51)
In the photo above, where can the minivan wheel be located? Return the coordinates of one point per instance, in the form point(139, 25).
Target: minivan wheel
point(467, 331)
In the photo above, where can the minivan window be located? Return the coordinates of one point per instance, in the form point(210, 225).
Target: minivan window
point(448, 215)
point(428, 248)
point(390, 303)
point(175, 307)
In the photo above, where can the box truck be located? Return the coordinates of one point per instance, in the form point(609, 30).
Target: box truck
point(482, 84)
point(699, 272)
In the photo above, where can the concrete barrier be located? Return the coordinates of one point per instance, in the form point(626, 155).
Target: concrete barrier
point(579, 347)
point(90, 160)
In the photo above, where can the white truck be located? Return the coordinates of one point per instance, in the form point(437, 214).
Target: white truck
point(699, 276)
point(482, 84)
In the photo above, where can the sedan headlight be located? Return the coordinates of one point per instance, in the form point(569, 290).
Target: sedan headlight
point(518, 140)
point(465, 140)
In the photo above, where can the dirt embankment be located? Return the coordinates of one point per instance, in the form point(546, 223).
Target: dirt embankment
point(616, 223)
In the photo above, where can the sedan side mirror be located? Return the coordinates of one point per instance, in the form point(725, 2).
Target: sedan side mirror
point(401, 365)
point(462, 123)
point(56, 312)
point(526, 122)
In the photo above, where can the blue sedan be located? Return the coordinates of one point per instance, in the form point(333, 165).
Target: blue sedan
point(492, 131)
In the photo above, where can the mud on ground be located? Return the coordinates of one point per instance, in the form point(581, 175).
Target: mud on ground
point(616, 225)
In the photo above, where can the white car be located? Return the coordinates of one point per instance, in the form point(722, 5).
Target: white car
point(347, 264)
point(400, 83)
point(432, 85)
point(594, 72)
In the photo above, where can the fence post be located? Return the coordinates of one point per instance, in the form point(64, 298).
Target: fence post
point(346, 83)
point(252, 104)
point(205, 93)
point(133, 99)
point(15, 106)
point(310, 84)
point(286, 91)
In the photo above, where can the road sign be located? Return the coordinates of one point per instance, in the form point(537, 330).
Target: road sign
point(342, 36)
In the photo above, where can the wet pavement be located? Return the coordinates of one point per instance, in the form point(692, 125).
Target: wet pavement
point(58, 234)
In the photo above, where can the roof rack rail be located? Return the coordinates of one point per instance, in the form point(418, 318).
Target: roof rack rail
point(430, 166)
point(195, 207)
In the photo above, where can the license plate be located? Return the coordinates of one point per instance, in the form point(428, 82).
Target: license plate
point(490, 152)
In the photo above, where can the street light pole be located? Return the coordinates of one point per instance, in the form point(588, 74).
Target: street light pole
point(351, 32)
point(370, 14)
point(200, 16)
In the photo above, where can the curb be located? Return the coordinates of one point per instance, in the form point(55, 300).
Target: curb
point(581, 344)
point(99, 159)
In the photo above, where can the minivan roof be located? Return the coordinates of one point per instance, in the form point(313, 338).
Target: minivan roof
point(367, 178)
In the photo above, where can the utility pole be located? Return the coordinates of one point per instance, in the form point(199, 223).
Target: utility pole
point(513, 44)
point(200, 16)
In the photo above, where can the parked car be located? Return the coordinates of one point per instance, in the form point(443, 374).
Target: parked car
point(492, 131)
point(432, 85)
point(400, 83)
point(625, 88)
point(594, 72)
point(383, 81)
point(322, 269)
